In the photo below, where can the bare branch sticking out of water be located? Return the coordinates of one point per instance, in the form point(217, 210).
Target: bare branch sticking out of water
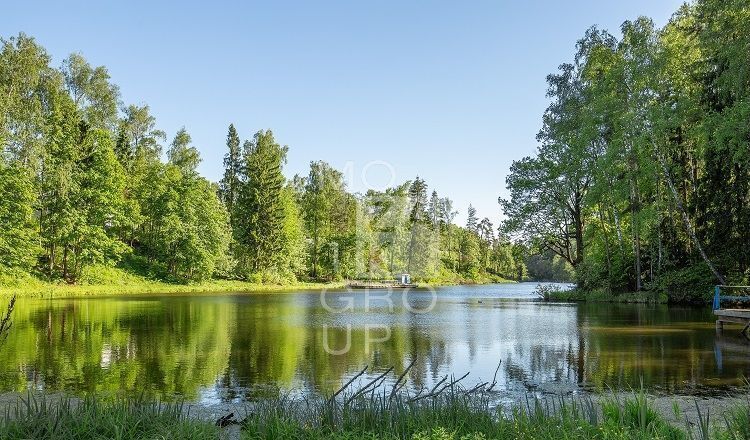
point(348, 383)
point(434, 393)
point(5, 322)
point(396, 386)
point(366, 387)
point(494, 378)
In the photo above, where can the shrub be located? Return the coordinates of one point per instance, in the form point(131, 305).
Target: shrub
point(693, 284)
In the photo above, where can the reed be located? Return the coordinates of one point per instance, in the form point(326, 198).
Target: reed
point(95, 418)
point(373, 411)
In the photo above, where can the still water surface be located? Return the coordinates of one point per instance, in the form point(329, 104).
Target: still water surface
point(220, 348)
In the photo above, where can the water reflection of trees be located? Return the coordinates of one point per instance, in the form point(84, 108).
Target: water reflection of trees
point(180, 346)
point(165, 348)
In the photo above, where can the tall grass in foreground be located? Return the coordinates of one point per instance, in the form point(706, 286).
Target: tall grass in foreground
point(455, 414)
point(90, 418)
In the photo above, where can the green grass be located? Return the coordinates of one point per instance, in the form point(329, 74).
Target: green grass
point(51, 289)
point(455, 414)
point(137, 277)
point(68, 419)
point(103, 280)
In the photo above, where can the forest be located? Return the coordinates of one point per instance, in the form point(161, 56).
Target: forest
point(641, 180)
point(88, 184)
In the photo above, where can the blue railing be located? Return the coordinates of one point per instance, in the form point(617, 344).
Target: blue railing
point(718, 297)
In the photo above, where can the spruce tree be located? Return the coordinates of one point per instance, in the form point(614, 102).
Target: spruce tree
point(230, 183)
point(418, 198)
point(260, 209)
point(472, 222)
point(418, 217)
point(433, 209)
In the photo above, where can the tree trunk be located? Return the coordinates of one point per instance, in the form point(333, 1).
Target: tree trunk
point(315, 257)
point(412, 243)
point(578, 224)
point(65, 263)
point(634, 213)
point(51, 258)
point(607, 250)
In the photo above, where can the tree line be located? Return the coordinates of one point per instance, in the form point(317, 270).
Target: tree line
point(86, 181)
point(642, 177)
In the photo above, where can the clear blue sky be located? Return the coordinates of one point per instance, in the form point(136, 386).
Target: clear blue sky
point(452, 91)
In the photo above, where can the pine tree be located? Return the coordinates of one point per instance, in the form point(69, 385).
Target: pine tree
point(418, 198)
point(434, 209)
point(417, 217)
point(230, 183)
point(260, 209)
point(472, 222)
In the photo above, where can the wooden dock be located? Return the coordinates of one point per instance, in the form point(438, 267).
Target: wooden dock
point(734, 314)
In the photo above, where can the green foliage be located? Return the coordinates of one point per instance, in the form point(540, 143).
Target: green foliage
point(642, 177)
point(81, 195)
point(26, 81)
point(293, 234)
point(259, 209)
point(181, 154)
point(186, 227)
point(91, 91)
point(322, 198)
point(229, 186)
point(453, 416)
point(691, 284)
point(85, 186)
point(18, 236)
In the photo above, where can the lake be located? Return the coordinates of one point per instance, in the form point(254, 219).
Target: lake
point(229, 348)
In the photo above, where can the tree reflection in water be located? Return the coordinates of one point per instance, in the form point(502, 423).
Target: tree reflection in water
point(234, 347)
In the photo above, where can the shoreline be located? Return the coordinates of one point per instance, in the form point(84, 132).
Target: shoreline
point(50, 290)
point(41, 289)
point(655, 415)
point(598, 296)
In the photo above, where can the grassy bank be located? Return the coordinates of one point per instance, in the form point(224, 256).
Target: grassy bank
point(45, 289)
point(115, 281)
point(455, 414)
point(102, 281)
